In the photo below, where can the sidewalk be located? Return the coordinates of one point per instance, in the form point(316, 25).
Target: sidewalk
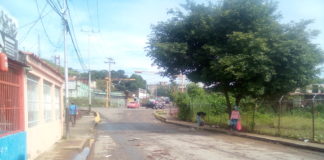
point(81, 135)
point(289, 142)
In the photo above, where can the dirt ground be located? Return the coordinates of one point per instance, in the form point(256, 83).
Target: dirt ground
point(134, 134)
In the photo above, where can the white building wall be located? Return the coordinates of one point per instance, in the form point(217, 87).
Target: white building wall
point(41, 136)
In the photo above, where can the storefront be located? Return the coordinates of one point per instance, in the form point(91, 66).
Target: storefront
point(12, 109)
point(12, 134)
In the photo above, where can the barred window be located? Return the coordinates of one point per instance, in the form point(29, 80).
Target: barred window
point(11, 105)
point(47, 100)
point(57, 103)
point(33, 102)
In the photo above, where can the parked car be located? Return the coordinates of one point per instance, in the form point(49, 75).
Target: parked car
point(133, 105)
point(150, 103)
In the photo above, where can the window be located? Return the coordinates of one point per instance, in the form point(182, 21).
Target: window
point(57, 103)
point(33, 102)
point(47, 100)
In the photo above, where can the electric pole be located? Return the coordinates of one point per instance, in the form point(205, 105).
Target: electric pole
point(66, 74)
point(108, 82)
point(89, 80)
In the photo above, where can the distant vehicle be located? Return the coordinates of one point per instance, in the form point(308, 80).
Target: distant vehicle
point(150, 103)
point(133, 105)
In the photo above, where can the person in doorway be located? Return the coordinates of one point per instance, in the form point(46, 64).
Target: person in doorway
point(73, 110)
point(235, 116)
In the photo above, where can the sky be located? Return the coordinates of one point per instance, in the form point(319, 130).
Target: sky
point(118, 29)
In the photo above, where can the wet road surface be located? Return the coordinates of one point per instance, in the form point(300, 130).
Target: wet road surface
point(134, 134)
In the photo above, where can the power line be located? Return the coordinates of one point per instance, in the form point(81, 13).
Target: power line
point(59, 4)
point(98, 20)
point(69, 27)
point(89, 13)
point(46, 34)
point(55, 8)
point(34, 24)
point(74, 42)
point(76, 49)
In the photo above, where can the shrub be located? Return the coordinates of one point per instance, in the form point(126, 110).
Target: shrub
point(182, 100)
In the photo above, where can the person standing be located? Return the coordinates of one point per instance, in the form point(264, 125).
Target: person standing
point(235, 116)
point(73, 110)
point(199, 118)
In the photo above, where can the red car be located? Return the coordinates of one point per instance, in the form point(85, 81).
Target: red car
point(133, 105)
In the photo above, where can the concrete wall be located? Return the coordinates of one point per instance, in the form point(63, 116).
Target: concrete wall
point(41, 136)
point(13, 146)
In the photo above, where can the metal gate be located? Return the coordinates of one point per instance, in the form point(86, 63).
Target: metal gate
point(11, 100)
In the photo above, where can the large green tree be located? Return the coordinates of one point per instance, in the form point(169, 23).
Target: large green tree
point(237, 47)
point(133, 86)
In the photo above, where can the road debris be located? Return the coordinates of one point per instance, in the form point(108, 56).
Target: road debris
point(134, 139)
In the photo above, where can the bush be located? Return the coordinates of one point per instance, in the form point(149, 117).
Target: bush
point(198, 100)
point(182, 100)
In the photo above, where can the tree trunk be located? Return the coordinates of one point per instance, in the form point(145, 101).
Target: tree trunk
point(238, 100)
point(229, 107)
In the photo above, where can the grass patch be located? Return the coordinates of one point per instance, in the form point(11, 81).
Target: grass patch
point(161, 112)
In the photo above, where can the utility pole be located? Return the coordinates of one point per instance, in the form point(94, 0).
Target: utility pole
point(66, 74)
point(89, 80)
point(108, 82)
point(90, 103)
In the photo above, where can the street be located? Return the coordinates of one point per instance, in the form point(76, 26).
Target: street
point(134, 134)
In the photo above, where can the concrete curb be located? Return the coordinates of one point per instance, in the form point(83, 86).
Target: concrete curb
point(92, 141)
point(287, 142)
point(157, 116)
point(91, 147)
point(78, 147)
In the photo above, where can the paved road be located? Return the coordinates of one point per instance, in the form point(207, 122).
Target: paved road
point(134, 134)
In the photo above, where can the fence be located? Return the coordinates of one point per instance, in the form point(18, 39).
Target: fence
point(297, 117)
point(10, 101)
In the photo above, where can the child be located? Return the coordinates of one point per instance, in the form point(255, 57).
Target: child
point(235, 116)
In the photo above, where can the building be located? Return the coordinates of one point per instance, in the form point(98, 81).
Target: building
point(31, 117)
point(142, 93)
point(44, 105)
point(12, 127)
point(312, 88)
point(12, 106)
point(78, 88)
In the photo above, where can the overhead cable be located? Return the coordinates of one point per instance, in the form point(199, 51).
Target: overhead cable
point(34, 24)
point(46, 34)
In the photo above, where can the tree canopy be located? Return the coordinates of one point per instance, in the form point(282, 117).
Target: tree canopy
point(163, 91)
point(134, 85)
point(238, 47)
point(120, 85)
